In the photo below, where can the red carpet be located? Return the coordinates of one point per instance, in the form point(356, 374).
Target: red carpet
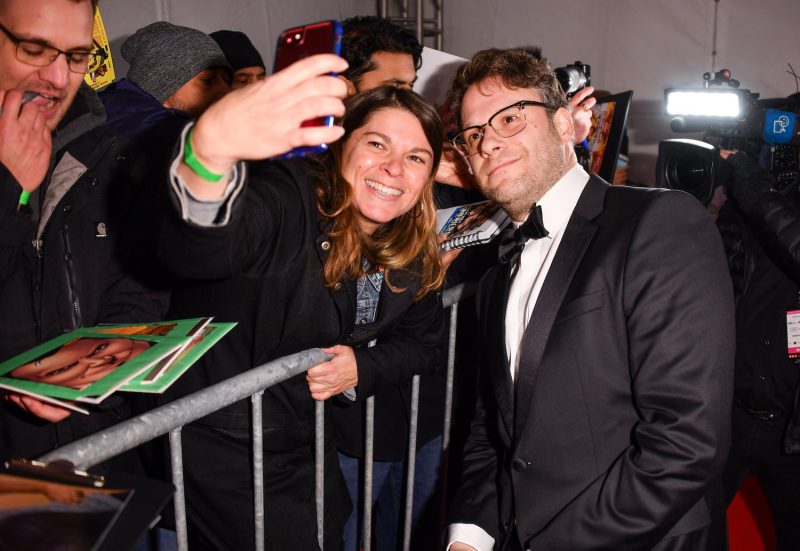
point(749, 521)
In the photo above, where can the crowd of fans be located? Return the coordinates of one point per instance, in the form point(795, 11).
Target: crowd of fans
point(164, 196)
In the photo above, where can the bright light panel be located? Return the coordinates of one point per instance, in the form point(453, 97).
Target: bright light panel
point(702, 103)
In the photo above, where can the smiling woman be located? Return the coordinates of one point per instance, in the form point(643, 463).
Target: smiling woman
point(331, 252)
point(381, 201)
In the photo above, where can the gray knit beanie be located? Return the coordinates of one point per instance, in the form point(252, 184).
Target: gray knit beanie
point(163, 57)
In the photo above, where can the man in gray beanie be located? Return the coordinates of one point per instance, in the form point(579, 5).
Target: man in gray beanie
point(175, 74)
point(182, 68)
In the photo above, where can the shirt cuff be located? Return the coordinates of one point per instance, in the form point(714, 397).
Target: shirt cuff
point(471, 534)
point(205, 213)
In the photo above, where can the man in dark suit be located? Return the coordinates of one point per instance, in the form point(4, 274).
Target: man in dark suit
point(608, 334)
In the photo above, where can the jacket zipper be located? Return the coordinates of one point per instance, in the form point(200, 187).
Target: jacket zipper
point(72, 287)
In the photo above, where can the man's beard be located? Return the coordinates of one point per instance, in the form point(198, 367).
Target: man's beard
point(545, 169)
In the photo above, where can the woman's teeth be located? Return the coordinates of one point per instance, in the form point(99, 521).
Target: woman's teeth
point(383, 189)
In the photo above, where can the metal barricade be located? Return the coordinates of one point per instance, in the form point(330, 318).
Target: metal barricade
point(170, 418)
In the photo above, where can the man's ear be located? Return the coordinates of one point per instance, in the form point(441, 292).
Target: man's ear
point(351, 86)
point(562, 121)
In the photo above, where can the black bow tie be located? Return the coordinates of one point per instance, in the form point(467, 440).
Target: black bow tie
point(512, 241)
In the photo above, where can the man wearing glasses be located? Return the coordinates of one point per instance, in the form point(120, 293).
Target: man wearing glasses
point(66, 187)
point(608, 340)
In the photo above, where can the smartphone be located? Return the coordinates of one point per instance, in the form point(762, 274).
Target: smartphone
point(324, 37)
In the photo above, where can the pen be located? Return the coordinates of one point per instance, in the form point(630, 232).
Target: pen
point(23, 200)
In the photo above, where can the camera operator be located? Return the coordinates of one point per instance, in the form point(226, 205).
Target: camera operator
point(760, 227)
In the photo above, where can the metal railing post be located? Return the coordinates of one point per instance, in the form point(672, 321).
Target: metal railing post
point(176, 457)
point(319, 473)
point(451, 369)
point(411, 462)
point(369, 448)
point(258, 468)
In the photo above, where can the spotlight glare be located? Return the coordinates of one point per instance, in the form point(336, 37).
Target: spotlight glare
point(704, 103)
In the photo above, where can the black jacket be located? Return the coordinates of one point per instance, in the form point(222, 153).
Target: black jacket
point(65, 263)
point(264, 271)
point(760, 225)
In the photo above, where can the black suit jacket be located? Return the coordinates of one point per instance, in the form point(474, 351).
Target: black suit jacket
point(619, 420)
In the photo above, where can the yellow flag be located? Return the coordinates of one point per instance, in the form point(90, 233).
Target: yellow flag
point(101, 72)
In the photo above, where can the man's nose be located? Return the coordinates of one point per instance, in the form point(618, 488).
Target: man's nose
point(56, 73)
point(490, 141)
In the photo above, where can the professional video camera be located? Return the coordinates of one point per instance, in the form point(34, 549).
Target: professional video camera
point(573, 78)
point(731, 119)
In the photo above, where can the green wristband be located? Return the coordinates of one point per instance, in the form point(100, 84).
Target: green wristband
point(193, 163)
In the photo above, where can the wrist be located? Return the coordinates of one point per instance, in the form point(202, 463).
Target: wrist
point(206, 166)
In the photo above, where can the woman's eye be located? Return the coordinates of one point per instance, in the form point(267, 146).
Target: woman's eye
point(375, 145)
point(417, 159)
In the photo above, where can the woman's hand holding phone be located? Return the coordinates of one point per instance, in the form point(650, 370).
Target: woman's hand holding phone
point(265, 119)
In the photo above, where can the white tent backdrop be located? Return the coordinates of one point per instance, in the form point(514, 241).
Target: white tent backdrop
point(639, 45)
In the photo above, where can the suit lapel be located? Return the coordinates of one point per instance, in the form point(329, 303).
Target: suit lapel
point(577, 237)
point(494, 306)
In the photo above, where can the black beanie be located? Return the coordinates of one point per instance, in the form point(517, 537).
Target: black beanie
point(238, 49)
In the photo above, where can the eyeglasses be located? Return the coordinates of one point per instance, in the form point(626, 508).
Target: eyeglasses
point(507, 122)
point(38, 54)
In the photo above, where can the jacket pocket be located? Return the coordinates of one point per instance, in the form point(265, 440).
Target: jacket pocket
point(581, 305)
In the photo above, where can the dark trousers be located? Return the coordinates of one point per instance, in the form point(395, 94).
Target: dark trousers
point(219, 494)
point(757, 448)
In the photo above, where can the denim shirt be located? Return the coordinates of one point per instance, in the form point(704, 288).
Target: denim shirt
point(368, 292)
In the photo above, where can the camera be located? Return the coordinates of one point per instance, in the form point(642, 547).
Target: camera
point(730, 119)
point(573, 78)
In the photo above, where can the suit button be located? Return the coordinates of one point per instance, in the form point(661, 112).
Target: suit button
point(519, 464)
point(337, 286)
point(326, 245)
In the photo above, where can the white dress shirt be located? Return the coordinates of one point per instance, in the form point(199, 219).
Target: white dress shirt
point(557, 205)
point(537, 256)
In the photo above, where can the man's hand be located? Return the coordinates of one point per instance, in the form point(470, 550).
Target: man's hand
point(454, 170)
point(334, 376)
point(580, 106)
point(40, 409)
point(25, 140)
